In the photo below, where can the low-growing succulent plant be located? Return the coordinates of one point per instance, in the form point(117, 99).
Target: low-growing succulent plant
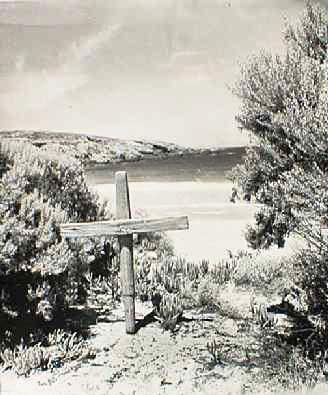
point(102, 292)
point(23, 360)
point(60, 347)
point(261, 316)
point(169, 311)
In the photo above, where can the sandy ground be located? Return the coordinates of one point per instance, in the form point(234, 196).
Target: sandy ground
point(159, 362)
point(151, 362)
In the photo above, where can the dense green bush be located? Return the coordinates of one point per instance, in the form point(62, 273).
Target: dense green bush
point(57, 177)
point(311, 264)
point(40, 273)
point(284, 106)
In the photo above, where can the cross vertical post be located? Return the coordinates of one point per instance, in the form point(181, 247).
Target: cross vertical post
point(123, 211)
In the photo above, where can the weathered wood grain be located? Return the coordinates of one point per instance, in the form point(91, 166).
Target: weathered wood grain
point(123, 211)
point(124, 226)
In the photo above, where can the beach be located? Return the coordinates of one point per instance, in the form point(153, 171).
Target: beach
point(193, 185)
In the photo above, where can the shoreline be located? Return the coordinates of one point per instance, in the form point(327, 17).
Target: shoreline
point(188, 153)
point(99, 152)
point(192, 167)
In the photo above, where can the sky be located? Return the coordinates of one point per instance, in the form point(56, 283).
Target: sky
point(139, 69)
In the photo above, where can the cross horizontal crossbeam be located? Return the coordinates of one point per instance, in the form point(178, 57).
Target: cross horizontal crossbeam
point(123, 227)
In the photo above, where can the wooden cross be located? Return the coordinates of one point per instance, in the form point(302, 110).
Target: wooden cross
point(124, 227)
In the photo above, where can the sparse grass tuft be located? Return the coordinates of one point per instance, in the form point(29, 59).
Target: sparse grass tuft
point(215, 352)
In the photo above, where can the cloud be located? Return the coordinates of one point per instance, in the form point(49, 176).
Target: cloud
point(35, 90)
point(92, 44)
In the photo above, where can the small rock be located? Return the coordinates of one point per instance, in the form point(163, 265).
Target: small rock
point(228, 327)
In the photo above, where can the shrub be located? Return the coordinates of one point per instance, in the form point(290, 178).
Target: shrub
point(287, 368)
point(58, 178)
point(311, 266)
point(284, 106)
point(40, 273)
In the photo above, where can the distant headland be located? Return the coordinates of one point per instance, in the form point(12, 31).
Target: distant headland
point(95, 151)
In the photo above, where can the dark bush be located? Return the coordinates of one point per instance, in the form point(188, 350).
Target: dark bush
point(40, 273)
point(284, 106)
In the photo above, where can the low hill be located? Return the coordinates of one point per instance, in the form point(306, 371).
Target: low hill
point(93, 149)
